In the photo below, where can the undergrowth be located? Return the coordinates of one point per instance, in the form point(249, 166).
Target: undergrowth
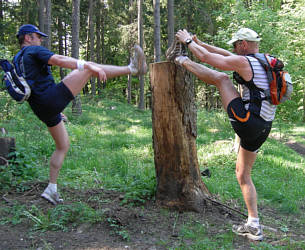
point(111, 148)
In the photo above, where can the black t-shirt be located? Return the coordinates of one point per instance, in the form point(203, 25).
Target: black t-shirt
point(35, 60)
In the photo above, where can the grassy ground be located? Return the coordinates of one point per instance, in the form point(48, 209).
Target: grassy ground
point(111, 148)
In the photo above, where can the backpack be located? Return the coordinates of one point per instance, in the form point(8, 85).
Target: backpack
point(16, 84)
point(279, 80)
point(280, 84)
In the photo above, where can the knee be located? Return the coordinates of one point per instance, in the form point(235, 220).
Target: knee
point(63, 147)
point(242, 177)
point(222, 78)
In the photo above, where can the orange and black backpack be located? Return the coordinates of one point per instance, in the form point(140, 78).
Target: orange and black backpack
point(280, 84)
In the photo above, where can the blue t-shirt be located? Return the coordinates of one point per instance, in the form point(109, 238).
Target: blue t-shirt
point(35, 60)
point(47, 99)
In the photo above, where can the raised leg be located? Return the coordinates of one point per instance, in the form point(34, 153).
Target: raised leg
point(221, 80)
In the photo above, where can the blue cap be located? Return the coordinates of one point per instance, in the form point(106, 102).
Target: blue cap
point(29, 28)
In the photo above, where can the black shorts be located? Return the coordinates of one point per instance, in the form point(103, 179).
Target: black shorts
point(49, 104)
point(252, 129)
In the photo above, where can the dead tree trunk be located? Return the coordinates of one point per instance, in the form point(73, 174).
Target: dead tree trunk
point(174, 116)
point(7, 146)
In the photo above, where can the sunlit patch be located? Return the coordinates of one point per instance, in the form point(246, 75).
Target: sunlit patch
point(213, 130)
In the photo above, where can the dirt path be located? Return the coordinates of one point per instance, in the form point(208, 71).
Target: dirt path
point(297, 147)
point(122, 227)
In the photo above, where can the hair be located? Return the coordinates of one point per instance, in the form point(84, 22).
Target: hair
point(21, 38)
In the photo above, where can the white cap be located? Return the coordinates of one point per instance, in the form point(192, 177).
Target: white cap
point(245, 34)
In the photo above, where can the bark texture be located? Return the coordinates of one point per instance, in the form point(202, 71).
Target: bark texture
point(174, 115)
point(7, 146)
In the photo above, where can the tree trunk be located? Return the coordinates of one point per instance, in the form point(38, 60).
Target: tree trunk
point(41, 12)
point(7, 146)
point(157, 36)
point(98, 14)
point(129, 76)
point(170, 22)
point(60, 44)
point(140, 38)
point(104, 18)
point(91, 42)
point(179, 183)
point(48, 22)
point(76, 104)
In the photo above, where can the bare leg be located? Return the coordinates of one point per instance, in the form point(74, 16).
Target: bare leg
point(244, 163)
point(60, 136)
point(245, 159)
point(219, 79)
point(76, 80)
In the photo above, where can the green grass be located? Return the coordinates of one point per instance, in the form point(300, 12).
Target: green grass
point(111, 147)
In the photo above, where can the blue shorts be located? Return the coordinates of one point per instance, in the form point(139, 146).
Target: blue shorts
point(252, 129)
point(48, 105)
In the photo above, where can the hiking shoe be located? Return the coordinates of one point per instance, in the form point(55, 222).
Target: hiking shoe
point(253, 233)
point(176, 49)
point(138, 64)
point(52, 197)
point(180, 60)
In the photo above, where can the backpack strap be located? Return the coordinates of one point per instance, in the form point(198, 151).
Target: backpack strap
point(16, 61)
point(19, 65)
point(264, 61)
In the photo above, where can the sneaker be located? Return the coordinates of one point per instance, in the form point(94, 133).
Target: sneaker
point(253, 233)
point(52, 197)
point(138, 64)
point(176, 49)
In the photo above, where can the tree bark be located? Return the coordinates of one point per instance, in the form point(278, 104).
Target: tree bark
point(7, 146)
point(179, 183)
point(91, 42)
point(157, 31)
point(76, 104)
point(48, 23)
point(98, 15)
point(41, 14)
point(170, 22)
point(140, 39)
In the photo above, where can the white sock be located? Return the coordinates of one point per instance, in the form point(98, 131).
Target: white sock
point(132, 69)
point(252, 221)
point(181, 59)
point(52, 187)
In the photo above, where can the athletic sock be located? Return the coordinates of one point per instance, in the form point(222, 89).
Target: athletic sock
point(52, 187)
point(180, 59)
point(253, 222)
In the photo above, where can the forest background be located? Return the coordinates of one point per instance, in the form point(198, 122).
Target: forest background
point(107, 30)
point(110, 165)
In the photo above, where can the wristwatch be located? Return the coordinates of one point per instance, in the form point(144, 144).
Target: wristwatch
point(188, 41)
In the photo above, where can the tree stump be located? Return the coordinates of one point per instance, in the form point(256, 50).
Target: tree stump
point(174, 115)
point(7, 146)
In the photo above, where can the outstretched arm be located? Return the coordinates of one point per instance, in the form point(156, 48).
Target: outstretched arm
point(211, 48)
point(227, 62)
point(71, 63)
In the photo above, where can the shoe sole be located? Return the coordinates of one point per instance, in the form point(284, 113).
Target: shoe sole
point(250, 236)
point(170, 53)
point(48, 198)
point(173, 52)
point(142, 66)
